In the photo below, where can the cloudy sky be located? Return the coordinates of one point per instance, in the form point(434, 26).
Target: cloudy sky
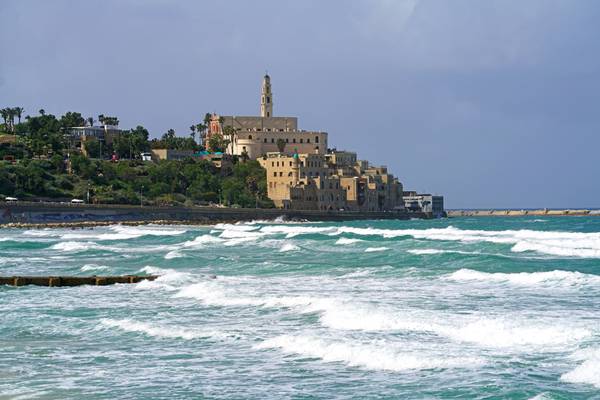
point(491, 103)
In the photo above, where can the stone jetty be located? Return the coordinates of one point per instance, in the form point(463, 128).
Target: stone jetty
point(55, 281)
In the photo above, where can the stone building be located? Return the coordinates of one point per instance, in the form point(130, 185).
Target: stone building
point(259, 135)
point(335, 181)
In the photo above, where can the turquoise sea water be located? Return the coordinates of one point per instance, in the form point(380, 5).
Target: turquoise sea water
point(456, 308)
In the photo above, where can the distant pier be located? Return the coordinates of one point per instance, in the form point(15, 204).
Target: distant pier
point(521, 213)
point(56, 281)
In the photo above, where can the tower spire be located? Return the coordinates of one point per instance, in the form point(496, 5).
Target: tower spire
point(266, 98)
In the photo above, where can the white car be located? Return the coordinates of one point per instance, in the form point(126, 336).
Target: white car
point(76, 201)
point(8, 198)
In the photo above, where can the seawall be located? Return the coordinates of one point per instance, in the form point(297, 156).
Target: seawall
point(12, 214)
point(520, 213)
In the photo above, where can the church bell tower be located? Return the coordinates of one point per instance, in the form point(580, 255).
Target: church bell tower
point(266, 98)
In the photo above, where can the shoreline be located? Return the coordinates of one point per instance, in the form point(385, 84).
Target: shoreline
point(45, 215)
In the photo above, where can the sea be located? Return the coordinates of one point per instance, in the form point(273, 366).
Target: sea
point(459, 308)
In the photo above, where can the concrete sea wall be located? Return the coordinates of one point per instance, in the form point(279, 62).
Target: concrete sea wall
point(56, 213)
point(520, 213)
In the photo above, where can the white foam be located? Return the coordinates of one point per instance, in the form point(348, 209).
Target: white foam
point(120, 232)
point(425, 251)
point(566, 278)
point(373, 356)
point(288, 247)
point(74, 246)
point(375, 249)
point(173, 254)
point(155, 330)
point(293, 231)
point(571, 244)
point(202, 241)
point(588, 371)
point(94, 267)
point(343, 241)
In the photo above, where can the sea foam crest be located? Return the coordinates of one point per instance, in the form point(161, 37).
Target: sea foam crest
point(74, 246)
point(344, 241)
point(567, 278)
point(121, 232)
point(169, 332)
point(381, 356)
point(293, 231)
point(588, 371)
point(288, 247)
point(375, 249)
point(568, 244)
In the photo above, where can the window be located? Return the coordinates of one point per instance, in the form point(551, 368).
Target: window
point(287, 140)
point(272, 140)
point(316, 139)
point(290, 163)
point(294, 140)
point(250, 137)
point(301, 140)
point(289, 174)
point(268, 99)
point(307, 140)
point(275, 174)
point(265, 140)
point(268, 114)
point(272, 163)
point(280, 173)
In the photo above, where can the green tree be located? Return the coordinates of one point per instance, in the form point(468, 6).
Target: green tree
point(93, 148)
point(71, 119)
point(281, 145)
point(217, 143)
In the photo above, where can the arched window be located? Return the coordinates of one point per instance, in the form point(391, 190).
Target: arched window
point(268, 99)
point(316, 139)
point(250, 137)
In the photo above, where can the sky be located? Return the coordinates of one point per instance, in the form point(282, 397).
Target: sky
point(494, 104)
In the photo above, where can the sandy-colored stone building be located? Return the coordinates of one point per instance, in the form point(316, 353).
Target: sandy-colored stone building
point(259, 135)
point(335, 181)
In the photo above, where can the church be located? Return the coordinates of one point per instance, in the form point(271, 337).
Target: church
point(256, 136)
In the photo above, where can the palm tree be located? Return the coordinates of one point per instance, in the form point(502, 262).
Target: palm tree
point(230, 132)
point(90, 121)
point(201, 129)
point(4, 113)
point(42, 111)
point(193, 133)
point(101, 118)
point(11, 112)
point(19, 112)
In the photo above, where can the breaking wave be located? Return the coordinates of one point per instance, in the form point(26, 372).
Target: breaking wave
point(381, 356)
point(588, 371)
point(342, 314)
point(375, 249)
point(347, 241)
point(168, 332)
point(121, 232)
point(94, 267)
point(569, 244)
point(567, 278)
point(288, 247)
